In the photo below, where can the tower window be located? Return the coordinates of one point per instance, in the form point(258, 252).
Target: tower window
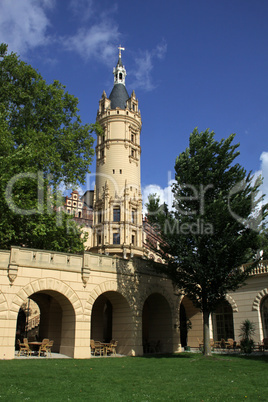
point(102, 153)
point(116, 213)
point(116, 238)
point(99, 216)
point(120, 171)
point(99, 239)
point(133, 240)
point(132, 137)
point(133, 216)
point(133, 153)
point(113, 171)
point(120, 76)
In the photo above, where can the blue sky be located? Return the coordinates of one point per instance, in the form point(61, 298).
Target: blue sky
point(192, 63)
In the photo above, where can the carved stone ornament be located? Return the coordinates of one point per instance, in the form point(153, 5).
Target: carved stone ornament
point(85, 276)
point(12, 273)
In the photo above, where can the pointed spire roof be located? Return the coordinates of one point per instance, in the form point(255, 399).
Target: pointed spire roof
point(119, 94)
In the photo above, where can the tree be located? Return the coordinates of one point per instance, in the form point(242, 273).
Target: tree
point(156, 213)
point(42, 144)
point(263, 245)
point(214, 227)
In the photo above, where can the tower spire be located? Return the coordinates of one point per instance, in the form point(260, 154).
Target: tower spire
point(119, 71)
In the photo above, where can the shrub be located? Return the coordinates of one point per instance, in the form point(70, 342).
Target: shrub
point(247, 331)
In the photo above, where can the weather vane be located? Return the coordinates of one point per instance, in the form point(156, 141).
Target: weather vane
point(120, 48)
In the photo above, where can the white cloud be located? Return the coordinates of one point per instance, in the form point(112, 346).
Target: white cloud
point(24, 24)
point(144, 66)
point(165, 194)
point(97, 41)
point(82, 8)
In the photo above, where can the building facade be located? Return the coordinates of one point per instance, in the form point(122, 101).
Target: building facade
point(111, 292)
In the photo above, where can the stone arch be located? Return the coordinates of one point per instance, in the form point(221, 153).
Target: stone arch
point(232, 303)
point(119, 323)
point(3, 306)
point(47, 284)
point(59, 313)
point(258, 298)
point(157, 320)
point(107, 286)
point(157, 289)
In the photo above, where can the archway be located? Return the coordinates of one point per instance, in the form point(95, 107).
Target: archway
point(222, 321)
point(57, 320)
point(111, 318)
point(264, 316)
point(157, 325)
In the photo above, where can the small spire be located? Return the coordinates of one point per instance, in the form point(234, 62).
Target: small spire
point(119, 71)
point(120, 48)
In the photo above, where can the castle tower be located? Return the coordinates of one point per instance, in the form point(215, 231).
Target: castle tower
point(117, 225)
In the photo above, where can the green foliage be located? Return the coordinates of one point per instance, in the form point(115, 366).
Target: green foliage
point(42, 136)
point(247, 331)
point(157, 213)
point(263, 243)
point(214, 226)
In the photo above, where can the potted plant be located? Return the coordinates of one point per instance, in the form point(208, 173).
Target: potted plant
point(247, 331)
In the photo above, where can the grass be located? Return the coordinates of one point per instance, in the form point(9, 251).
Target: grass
point(183, 377)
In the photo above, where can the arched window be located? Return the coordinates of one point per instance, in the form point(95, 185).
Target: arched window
point(223, 324)
point(264, 316)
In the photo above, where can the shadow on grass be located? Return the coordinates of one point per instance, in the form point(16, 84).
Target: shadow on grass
point(168, 355)
point(187, 355)
point(263, 358)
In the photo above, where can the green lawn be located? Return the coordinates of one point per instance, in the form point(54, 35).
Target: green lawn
point(183, 377)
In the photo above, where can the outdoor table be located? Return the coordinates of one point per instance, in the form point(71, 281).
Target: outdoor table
point(105, 346)
point(35, 345)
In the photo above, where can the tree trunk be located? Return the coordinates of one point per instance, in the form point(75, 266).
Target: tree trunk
point(206, 337)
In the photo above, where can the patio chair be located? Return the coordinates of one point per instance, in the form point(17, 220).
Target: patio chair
point(112, 347)
point(92, 346)
point(42, 347)
point(48, 347)
point(96, 347)
point(24, 348)
point(230, 343)
point(200, 344)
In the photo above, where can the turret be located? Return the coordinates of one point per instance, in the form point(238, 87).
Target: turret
point(118, 206)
